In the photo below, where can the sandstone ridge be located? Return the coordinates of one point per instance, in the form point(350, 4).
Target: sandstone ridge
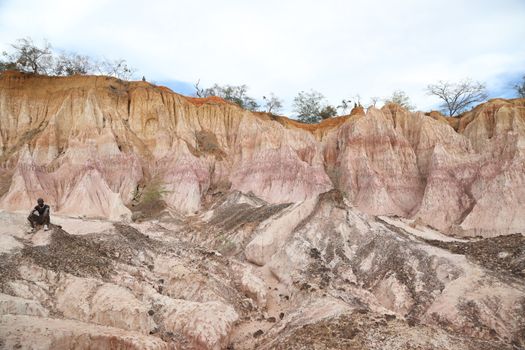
point(96, 146)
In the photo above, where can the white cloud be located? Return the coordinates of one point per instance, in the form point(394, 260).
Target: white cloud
point(338, 47)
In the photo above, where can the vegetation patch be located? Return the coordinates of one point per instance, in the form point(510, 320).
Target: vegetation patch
point(207, 143)
point(147, 202)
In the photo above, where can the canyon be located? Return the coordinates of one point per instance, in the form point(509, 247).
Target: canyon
point(182, 222)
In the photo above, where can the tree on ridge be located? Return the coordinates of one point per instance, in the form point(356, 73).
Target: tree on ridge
point(457, 97)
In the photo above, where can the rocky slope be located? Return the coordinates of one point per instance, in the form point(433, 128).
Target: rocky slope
point(247, 274)
point(191, 223)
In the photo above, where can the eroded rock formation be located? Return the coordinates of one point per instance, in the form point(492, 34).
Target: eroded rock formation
point(99, 141)
point(256, 231)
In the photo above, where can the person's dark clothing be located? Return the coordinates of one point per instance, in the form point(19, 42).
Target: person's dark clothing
point(42, 209)
point(43, 215)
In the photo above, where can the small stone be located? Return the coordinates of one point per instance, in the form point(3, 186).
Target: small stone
point(151, 312)
point(281, 315)
point(503, 255)
point(390, 317)
point(305, 286)
point(271, 319)
point(258, 333)
point(315, 253)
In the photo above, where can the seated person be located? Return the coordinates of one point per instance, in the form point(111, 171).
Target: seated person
point(39, 215)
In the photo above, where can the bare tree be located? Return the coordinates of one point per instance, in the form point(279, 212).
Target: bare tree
point(357, 100)
point(400, 97)
point(374, 100)
point(457, 97)
point(118, 68)
point(520, 88)
point(344, 106)
point(71, 64)
point(28, 57)
point(199, 92)
point(272, 103)
point(207, 92)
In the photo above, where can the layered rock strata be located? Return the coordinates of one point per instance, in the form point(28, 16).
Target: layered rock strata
point(95, 146)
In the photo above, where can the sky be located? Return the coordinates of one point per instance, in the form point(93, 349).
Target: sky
point(339, 48)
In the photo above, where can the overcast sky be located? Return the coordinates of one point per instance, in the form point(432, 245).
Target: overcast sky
point(340, 48)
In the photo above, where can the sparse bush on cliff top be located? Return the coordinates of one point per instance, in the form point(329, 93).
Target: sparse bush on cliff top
point(233, 93)
point(26, 56)
point(238, 95)
point(311, 107)
point(400, 97)
point(272, 103)
point(520, 88)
